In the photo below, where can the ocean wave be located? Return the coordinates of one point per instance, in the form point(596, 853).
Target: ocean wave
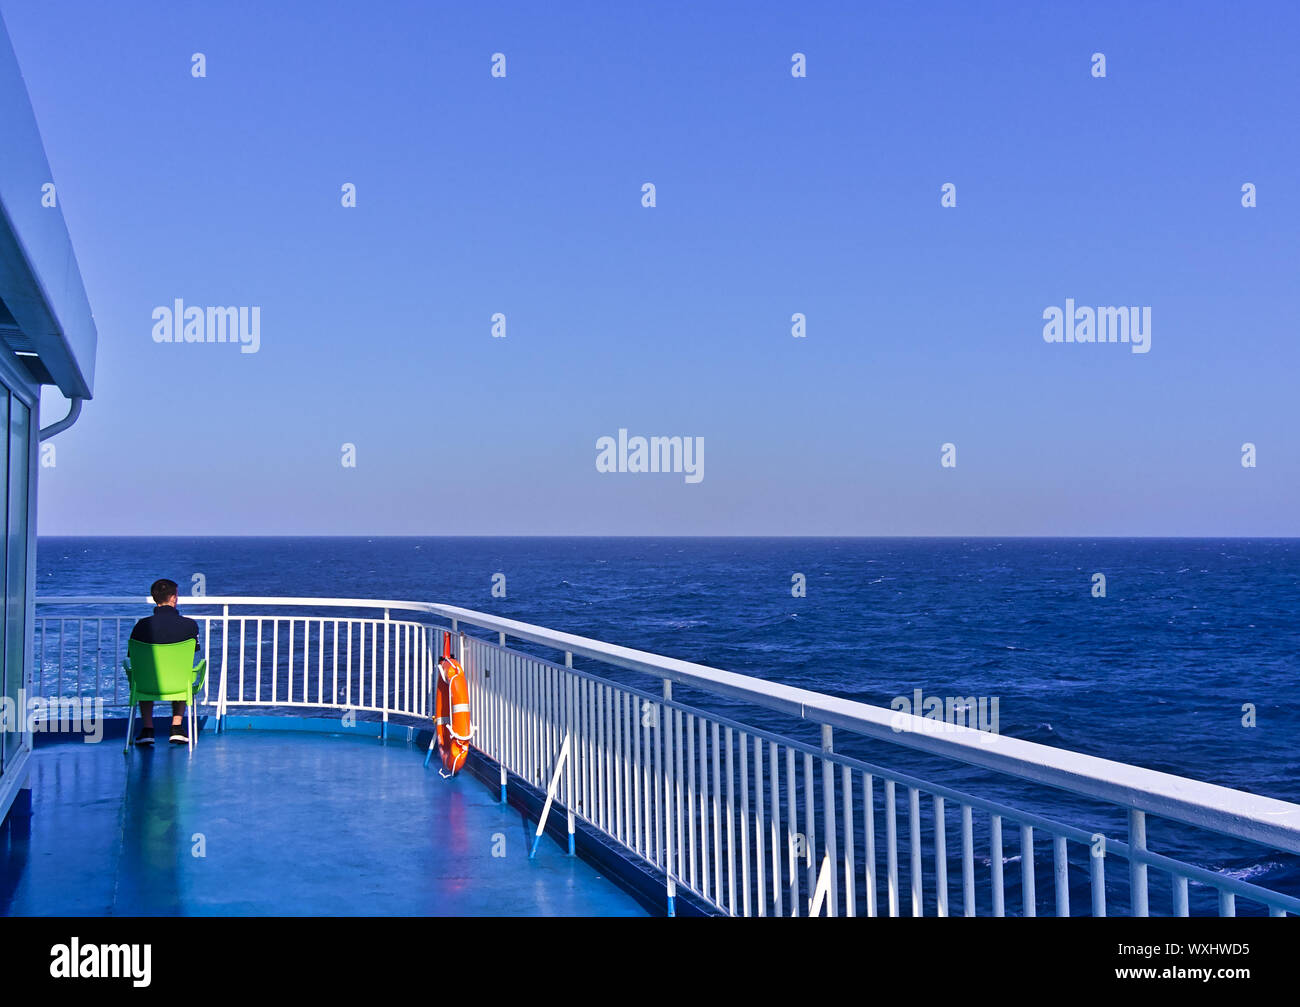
point(1251, 871)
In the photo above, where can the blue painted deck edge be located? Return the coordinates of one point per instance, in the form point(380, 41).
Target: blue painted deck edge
point(633, 876)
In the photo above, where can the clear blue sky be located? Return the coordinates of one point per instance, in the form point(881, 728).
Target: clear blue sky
point(775, 195)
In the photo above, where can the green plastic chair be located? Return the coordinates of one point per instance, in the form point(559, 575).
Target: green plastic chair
point(160, 672)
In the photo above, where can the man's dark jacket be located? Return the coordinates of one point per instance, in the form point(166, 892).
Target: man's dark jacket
point(166, 625)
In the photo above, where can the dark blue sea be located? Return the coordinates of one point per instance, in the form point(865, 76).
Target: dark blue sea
point(1156, 673)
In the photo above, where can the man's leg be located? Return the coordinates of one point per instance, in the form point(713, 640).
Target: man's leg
point(144, 733)
point(178, 719)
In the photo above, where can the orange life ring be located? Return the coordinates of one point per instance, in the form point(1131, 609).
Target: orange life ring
point(451, 712)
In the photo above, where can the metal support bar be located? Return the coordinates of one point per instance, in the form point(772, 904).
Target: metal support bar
point(821, 895)
point(550, 796)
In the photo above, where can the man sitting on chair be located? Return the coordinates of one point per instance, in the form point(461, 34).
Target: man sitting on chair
point(166, 625)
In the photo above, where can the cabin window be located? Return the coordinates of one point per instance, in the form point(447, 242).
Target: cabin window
point(14, 639)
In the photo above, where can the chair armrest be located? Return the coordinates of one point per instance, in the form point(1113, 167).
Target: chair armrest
point(201, 674)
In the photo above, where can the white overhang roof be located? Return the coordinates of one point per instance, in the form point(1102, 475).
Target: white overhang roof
point(45, 317)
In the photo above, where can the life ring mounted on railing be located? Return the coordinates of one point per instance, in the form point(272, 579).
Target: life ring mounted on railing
point(451, 712)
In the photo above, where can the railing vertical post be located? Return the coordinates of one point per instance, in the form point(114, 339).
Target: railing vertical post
point(623, 793)
point(1061, 864)
point(791, 829)
point(584, 720)
point(225, 635)
point(117, 649)
point(967, 861)
point(568, 663)
point(717, 817)
point(995, 863)
point(745, 907)
point(828, 818)
point(940, 857)
point(665, 763)
point(891, 845)
point(760, 866)
point(501, 760)
point(850, 861)
point(1097, 875)
point(384, 729)
point(430, 686)
point(678, 786)
point(1137, 871)
point(502, 732)
point(811, 867)
point(914, 850)
point(773, 757)
point(1029, 895)
point(600, 756)
point(869, 827)
point(731, 824)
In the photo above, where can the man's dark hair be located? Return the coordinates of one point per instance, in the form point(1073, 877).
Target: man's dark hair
point(162, 591)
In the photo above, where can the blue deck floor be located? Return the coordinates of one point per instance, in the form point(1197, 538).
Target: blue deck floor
point(293, 824)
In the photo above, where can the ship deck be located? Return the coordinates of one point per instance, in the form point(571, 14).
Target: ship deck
point(292, 824)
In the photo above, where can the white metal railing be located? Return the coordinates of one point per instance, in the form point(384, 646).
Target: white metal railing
point(351, 655)
point(749, 821)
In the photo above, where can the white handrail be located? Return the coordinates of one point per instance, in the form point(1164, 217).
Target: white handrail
point(1233, 812)
point(1253, 817)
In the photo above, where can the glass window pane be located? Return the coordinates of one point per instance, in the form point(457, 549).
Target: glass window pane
point(13, 680)
point(15, 637)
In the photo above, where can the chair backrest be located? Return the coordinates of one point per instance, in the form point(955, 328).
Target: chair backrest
point(161, 668)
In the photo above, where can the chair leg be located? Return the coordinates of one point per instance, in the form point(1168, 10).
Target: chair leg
point(130, 721)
